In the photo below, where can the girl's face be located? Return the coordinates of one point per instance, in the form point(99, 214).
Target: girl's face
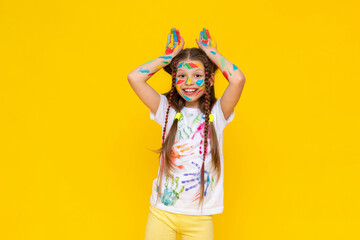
point(190, 80)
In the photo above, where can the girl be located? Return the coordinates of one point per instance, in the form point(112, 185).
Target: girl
point(191, 160)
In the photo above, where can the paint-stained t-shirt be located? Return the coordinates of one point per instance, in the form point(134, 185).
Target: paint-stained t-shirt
point(181, 191)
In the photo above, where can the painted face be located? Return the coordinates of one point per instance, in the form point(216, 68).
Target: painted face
point(190, 80)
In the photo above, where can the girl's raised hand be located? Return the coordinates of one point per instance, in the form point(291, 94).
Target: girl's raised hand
point(175, 43)
point(205, 42)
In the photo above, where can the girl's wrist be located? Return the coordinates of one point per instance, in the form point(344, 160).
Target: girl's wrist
point(165, 59)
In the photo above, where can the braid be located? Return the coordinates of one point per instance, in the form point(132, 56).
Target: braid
point(206, 129)
point(164, 129)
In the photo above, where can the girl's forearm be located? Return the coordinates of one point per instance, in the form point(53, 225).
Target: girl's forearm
point(230, 71)
point(146, 70)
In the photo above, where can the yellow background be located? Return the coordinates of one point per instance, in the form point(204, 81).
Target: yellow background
point(75, 138)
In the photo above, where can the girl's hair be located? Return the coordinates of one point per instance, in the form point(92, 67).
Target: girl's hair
point(206, 102)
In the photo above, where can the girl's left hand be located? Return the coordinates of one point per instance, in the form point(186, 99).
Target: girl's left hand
point(206, 43)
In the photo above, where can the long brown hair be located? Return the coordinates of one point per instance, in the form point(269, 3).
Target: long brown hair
point(206, 102)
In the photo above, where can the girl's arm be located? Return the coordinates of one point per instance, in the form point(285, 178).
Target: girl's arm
point(137, 78)
point(230, 71)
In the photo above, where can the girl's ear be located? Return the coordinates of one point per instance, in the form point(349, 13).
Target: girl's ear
point(212, 79)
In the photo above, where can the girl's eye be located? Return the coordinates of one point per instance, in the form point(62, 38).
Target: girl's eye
point(198, 75)
point(180, 76)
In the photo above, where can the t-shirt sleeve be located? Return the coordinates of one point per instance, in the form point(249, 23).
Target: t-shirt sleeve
point(219, 118)
point(159, 116)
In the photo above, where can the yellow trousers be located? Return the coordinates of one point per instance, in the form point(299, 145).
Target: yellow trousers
point(163, 225)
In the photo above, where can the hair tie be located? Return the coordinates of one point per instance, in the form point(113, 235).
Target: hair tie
point(211, 118)
point(178, 115)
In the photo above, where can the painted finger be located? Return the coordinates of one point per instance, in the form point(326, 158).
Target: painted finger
point(168, 40)
point(201, 35)
point(172, 38)
point(178, 35)
point(204, 34)
point(175, 36)
point(208, 34)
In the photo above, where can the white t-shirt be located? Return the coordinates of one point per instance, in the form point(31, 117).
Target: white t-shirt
point(181, 193)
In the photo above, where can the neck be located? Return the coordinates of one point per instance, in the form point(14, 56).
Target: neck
point(192, 104)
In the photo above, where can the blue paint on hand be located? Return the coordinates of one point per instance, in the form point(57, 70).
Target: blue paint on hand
point(213, 52)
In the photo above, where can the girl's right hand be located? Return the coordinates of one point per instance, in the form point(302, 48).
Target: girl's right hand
point(175, 43)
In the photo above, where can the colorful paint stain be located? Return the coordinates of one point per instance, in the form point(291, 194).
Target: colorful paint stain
point(200, 130)
point(234, 67)
point(226, 75)
point(144, 70)
point(195, 177)
point(222, 61)
point(166, 57)
point(201, 82)
point(172, 41)
point(178, 81)
point(171, 193)
point(191, 65)
point(213, 52)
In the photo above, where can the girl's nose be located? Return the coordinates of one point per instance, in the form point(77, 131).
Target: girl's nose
point(188, 80)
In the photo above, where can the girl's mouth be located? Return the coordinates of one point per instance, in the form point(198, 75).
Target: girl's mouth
point(190, 91)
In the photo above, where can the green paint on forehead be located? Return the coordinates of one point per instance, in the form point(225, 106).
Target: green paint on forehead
point(190, 65)
point(187, 66)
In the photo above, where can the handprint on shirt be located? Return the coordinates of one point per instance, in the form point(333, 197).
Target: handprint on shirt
point(197, 179)
point(201, 129)
point(170, 195)
point(176, 154)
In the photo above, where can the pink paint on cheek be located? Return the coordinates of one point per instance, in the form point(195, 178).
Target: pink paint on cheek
point(200, 90)
point(180, 82)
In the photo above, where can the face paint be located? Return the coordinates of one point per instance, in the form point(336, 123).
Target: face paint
point(188, 80)
point(190, 65)
point(178, 82)
point(200, 83)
